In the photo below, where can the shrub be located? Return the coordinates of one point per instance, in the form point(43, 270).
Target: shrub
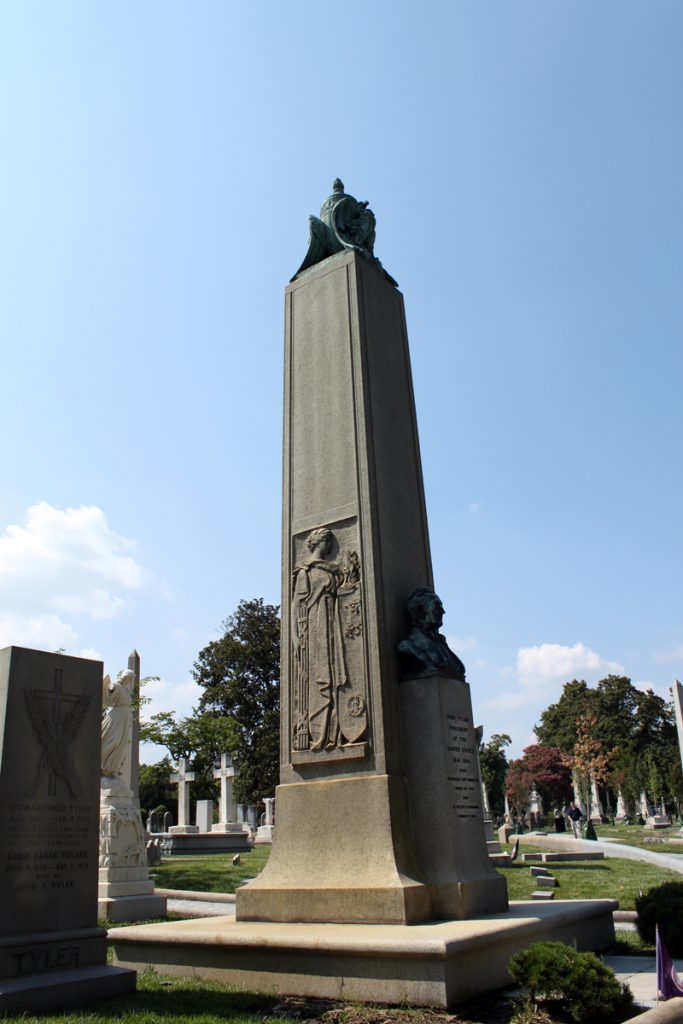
point(662, 906)
point(587, 989)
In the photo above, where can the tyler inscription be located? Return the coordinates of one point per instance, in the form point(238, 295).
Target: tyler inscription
point(49, 958)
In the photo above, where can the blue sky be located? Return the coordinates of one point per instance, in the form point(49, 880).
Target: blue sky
point(524, 161)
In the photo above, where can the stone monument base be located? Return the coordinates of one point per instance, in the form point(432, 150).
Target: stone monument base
point(183, 830)
point(139, 907)
point(228, 828)
point(657, 821)
point(61, 990)
point(330, 880)
point(206, 842)
point(59, 969)
point(439, 963)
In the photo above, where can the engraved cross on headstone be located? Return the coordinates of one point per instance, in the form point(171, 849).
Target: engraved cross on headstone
point(183, 778)
point(226, 773)
point(57, 698)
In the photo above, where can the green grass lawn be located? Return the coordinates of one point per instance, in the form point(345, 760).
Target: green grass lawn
point(611, 878)
point(160, 999)
point(614, 878)
point(213, 873)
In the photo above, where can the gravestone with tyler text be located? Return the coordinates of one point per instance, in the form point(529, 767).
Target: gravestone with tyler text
point(52, 953)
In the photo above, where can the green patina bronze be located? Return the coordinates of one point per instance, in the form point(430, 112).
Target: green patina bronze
point(424, 652)
point(344, 223)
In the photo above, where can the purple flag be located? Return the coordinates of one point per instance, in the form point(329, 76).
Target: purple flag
point(668, 982)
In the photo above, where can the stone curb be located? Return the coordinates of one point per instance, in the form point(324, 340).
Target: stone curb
point(201, 897)
point(670, 1012)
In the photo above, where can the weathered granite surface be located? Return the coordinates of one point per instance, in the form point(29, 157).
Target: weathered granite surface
point(439, 963)
point(51, 949)
point(355, 546)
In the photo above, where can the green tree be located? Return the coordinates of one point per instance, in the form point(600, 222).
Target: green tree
point(557, 727)
point(494, 766)
point(240, 677)
point(155, 788)
point(631, 741)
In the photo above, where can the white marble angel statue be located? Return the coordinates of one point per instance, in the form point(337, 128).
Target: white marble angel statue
point(117, 722)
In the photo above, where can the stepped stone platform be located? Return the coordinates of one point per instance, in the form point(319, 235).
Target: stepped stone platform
point(437, 963)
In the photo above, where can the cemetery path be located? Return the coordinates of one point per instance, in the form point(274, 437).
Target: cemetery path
point(199, 908)
point(198, 904)
point(565, 844)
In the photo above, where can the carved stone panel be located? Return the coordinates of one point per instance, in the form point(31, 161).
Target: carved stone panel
point(329, 711)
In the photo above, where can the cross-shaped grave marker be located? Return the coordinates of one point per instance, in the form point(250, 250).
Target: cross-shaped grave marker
point(184, 779)
point(226, 773)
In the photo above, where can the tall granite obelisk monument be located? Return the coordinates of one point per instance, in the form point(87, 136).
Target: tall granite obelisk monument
point(361, 749)
point(379, 817)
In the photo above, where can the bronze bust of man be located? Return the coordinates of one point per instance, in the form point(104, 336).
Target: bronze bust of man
point(424, 652)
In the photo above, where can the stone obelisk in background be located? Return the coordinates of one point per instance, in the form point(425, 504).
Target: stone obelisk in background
point(355, 547)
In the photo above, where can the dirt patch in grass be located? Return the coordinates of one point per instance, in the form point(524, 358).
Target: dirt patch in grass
point(496, 1008)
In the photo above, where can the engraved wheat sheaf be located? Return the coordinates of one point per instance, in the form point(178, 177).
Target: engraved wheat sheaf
point(54, 737)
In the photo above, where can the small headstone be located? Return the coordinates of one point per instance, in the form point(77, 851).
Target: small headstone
point(204, 815)
point(168, 821)
point(236, 860)
point(546, 882)
point(52, 954)
point(543, 894)
point(153, 853)
point(539, 872)
point(265, 831)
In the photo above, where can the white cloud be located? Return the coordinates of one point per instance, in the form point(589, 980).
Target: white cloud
point(165, 695)
point(42, 632)
point(89, 652)
point(675, 655)
point(59, 565)
point(541, 669)
point(461, 643)
point(660, 689)
point(537, 666)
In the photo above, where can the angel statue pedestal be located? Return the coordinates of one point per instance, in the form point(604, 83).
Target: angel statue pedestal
point(125, 890)
point(354, 902)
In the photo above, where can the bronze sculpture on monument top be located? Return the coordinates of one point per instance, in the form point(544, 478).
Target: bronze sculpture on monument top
point(344, 223)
